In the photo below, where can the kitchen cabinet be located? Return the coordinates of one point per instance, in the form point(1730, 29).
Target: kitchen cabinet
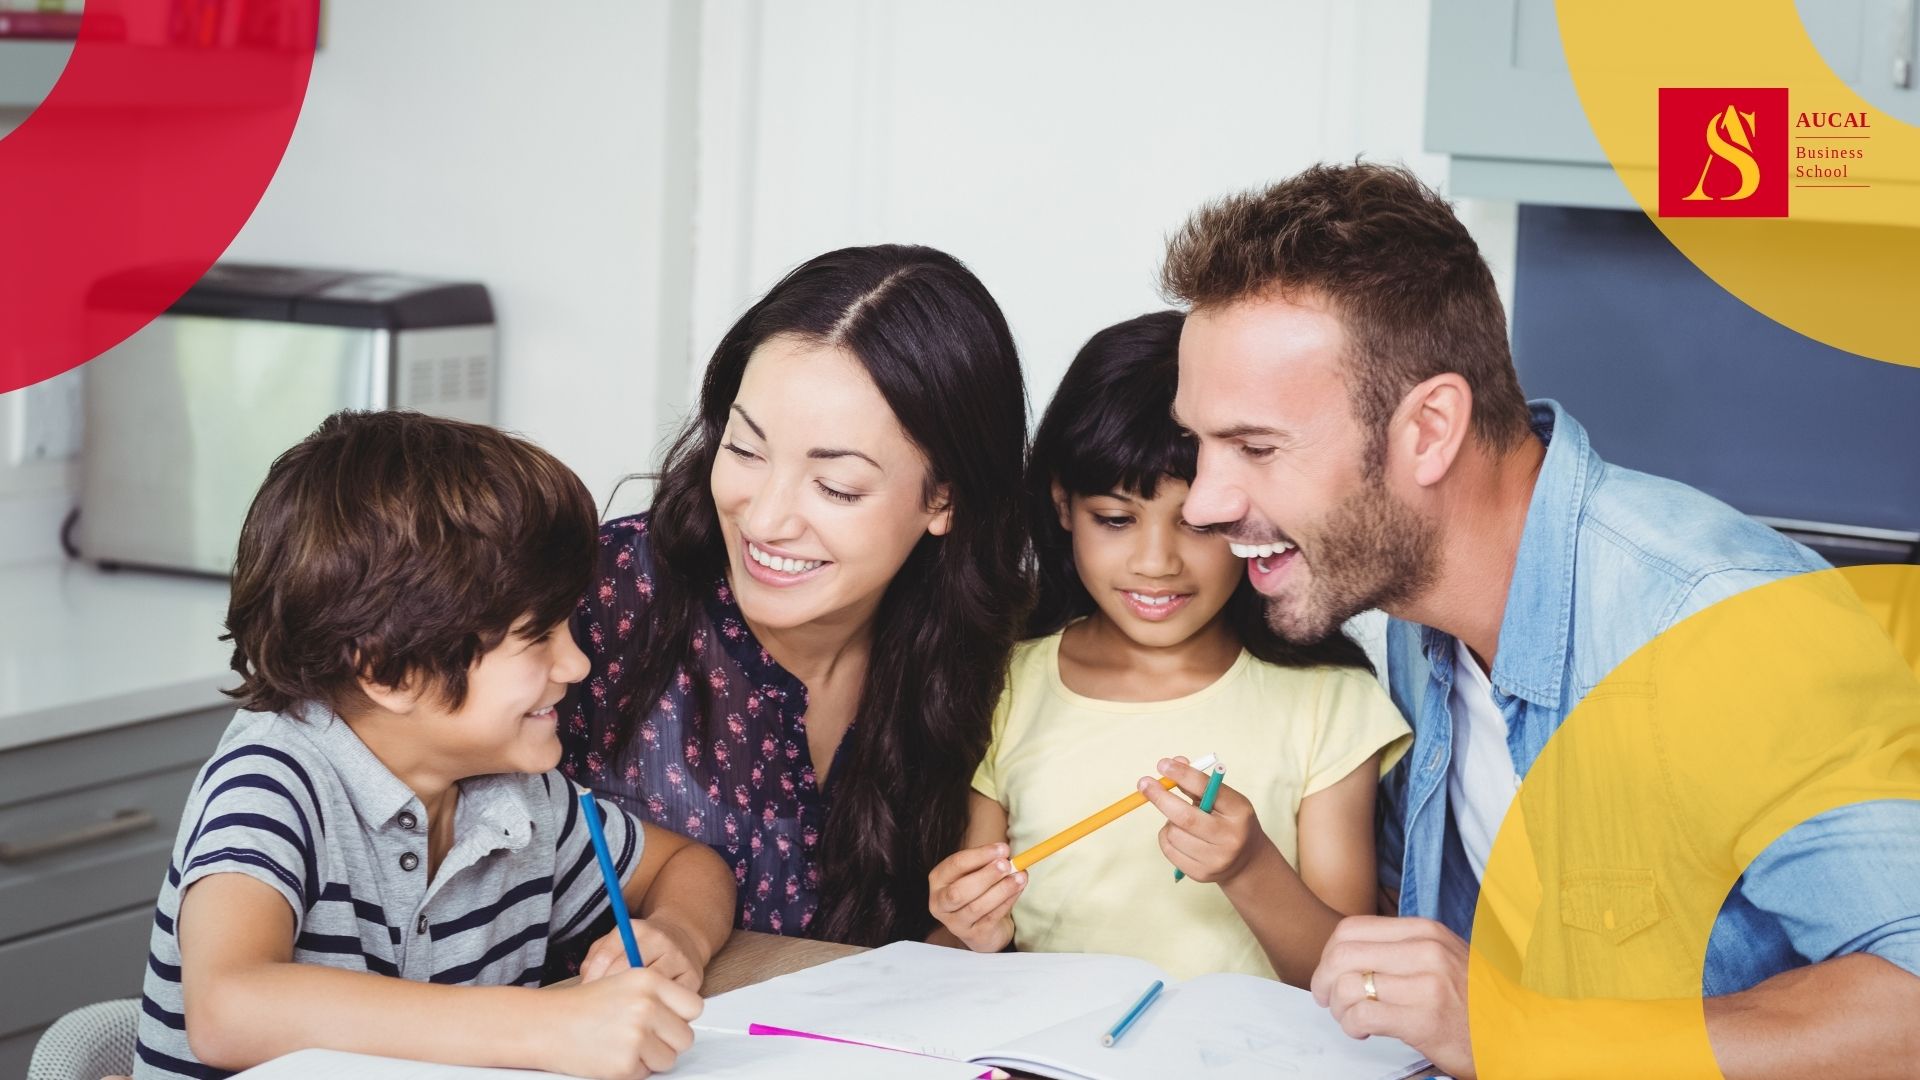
point(1870, 45)
point(1501, 102)
point(85, 833)
point(109, 704)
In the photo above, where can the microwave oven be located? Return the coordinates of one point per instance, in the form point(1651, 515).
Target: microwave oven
point(183, 418)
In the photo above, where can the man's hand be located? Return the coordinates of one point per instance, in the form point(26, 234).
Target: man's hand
point(1419, 974)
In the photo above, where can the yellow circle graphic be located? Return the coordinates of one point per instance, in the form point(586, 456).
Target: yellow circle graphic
point(1843, 267)
point(1672, 776)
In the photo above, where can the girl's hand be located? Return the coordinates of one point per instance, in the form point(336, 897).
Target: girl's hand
point(668, 949)
point(972, 893)
point(627, 1025)
point(1209, 847)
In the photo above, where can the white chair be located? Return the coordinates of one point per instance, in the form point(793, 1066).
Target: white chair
point(88, 1043)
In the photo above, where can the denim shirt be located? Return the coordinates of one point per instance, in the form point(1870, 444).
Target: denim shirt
point(1609, 559)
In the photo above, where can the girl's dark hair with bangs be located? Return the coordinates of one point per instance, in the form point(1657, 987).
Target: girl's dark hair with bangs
point(1110, 427)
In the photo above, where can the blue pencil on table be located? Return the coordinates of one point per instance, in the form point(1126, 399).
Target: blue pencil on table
point(591, 810)
point(1139, 1007)
point(1206, 804)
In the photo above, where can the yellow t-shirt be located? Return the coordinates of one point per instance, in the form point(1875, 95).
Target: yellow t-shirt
point(1057, 756)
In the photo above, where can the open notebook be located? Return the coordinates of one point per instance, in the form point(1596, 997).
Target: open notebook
point(1044, 1013)
point(714, 1056)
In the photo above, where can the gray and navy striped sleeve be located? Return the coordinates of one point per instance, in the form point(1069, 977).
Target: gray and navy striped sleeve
point(254, 811)
point(579, 893)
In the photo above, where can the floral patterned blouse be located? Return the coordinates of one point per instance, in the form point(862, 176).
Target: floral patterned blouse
point(743, 782)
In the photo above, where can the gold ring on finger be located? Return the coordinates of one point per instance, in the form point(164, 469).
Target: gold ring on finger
point(1366, 984)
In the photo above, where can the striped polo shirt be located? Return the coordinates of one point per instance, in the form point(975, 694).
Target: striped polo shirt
point(304, 806)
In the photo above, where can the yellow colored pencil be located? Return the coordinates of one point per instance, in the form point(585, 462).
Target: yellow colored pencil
point(1093, 822)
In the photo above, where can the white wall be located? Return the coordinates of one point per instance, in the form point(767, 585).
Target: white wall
point(542, 148)
point(627, 175)
point(1049, 146)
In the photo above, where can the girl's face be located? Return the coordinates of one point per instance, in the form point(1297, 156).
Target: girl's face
point(1158, 579)
point(821, 494)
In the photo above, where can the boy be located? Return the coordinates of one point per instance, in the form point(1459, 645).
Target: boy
point(380, 852)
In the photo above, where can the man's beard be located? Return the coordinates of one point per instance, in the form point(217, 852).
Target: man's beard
point(1372, 551)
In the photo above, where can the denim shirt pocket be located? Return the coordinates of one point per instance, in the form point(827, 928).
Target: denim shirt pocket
point(1613, 905)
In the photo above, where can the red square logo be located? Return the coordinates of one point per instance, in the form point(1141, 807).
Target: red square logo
point(1723, 152)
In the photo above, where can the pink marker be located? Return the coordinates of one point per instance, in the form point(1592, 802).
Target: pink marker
point(769, 1029)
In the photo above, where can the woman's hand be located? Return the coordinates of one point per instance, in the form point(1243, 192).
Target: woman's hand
point(668, 949)
point(627, 1025)
point(1212, 847)
point(972, 893)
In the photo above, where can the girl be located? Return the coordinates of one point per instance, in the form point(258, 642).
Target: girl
point(1151, 642)
point(797, 651)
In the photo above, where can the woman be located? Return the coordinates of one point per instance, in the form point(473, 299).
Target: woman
point(797, 651)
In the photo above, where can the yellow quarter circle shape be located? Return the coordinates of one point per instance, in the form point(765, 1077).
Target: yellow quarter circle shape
point(1843, 267)
point(1663, 785)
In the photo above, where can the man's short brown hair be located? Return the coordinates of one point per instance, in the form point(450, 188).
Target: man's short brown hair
point(1400, 270)
point(395, 546)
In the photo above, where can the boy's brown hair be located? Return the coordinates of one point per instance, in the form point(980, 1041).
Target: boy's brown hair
point(399, 547)
point(1401, 271)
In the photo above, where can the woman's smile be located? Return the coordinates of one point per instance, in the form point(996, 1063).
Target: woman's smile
point(770, 567)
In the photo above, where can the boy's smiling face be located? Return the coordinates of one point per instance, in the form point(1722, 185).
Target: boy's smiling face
point(507, 723)
point(508, 719)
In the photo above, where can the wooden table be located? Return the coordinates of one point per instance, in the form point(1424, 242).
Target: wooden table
point(749, 957)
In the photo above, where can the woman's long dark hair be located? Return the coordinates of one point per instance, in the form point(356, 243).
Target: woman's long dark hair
point(1110, 427)
point(936, 346)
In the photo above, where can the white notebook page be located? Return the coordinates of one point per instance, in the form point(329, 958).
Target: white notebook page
point(933, 999)
point(1223, 1027)
point(713, 1055)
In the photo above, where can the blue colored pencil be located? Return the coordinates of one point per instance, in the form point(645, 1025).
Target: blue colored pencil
point(591, 809)
point(1139, 1007)
point(1206, 806)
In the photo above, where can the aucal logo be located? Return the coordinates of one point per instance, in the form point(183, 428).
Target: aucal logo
point(1723, 152)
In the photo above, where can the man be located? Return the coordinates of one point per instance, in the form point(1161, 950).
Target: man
point(1365, 443)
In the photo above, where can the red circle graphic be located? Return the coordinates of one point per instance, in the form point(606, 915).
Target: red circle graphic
point(122, 187)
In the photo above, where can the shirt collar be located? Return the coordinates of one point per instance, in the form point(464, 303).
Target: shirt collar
point(497, 803)
point(376, 794)
point(498, 807)
point(1537, 624)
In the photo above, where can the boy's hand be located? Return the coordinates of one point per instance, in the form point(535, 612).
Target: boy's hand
point(667, 948)
point(627, 1025)
point(972, 893)
point(1209, 847)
